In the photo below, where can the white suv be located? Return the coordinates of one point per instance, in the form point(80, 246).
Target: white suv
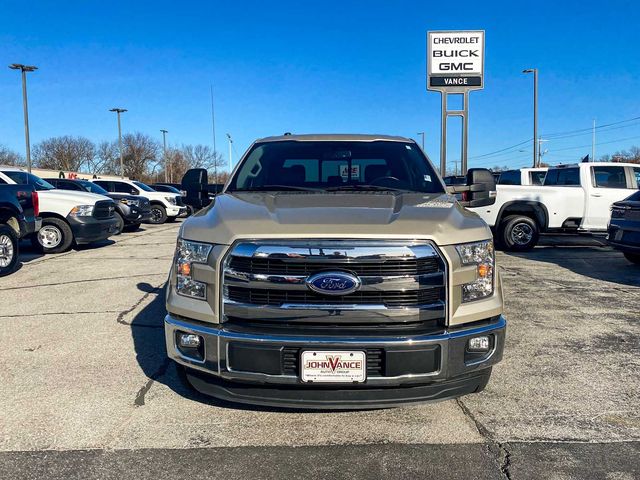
point(165, 206)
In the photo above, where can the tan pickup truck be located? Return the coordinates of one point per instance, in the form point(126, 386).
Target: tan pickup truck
point(336, 271)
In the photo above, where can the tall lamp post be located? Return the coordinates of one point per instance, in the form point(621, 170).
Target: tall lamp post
point(164, 154)
point(119, 111)
point(535, 113)
point(422, 134)
point(24, 69)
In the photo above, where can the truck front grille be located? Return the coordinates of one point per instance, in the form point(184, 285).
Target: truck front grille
point(400, 282)
point(104, 209)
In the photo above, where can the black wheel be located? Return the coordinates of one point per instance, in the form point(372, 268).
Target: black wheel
point(518, 233)
point(120, 224)
point(55, 236)
point(158, 214)
point(633, 257)
point(8, 250)
point(132, 227)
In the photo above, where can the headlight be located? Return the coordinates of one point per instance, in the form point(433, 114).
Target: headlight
point(81, 211)
point(171, 200)
point(188, 253)
point(481, 255)
point(128, 201)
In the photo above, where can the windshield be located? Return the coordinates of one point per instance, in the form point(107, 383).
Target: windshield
point(93, 188)
point(166, 188)
point(25, 178)
point(336, 166)
point(144, 187)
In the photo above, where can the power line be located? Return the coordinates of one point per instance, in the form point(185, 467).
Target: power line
point(600, 143)
point(589, 130)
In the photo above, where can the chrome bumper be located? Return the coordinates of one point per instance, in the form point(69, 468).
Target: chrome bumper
point(452, 347)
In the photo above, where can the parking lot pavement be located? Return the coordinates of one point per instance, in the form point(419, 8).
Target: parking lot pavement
point(87, 391)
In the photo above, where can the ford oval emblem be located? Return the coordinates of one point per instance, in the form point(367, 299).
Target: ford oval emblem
point(333, 283)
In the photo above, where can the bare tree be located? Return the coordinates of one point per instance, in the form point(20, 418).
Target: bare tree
point(10, 157)
point(140, 151)
point(106, 159)
point(64, 153)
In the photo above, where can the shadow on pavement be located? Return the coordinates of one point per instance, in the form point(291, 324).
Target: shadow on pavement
point(587, 256)
point(147, 330)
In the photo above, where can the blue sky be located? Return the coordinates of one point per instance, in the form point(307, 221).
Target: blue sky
point(356, 67)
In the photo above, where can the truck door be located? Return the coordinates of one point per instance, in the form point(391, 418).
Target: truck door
point(607, 184)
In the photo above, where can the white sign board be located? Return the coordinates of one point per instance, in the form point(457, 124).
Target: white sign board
point(455, 60)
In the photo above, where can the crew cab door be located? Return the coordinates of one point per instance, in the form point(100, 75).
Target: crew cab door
point(604, 185)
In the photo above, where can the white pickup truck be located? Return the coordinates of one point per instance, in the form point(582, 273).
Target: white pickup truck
point(522, 176)
point(67, 217)
point(574, 198)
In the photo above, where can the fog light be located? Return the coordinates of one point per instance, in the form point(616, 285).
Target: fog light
point(479, 344)
point(189, 340)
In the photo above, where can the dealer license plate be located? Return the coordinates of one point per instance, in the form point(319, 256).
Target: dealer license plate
point(333, 366)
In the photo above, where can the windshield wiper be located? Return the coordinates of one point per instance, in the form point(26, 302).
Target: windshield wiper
point(364, 187)
point(267, 188)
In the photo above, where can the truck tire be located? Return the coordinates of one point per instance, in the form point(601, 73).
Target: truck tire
point(518, 233)
point(633, 257)
point(120, 224)
point(158, 214)
point(8, 250)
point(55, 236)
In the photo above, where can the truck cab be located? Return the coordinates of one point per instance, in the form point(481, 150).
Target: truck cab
point(336, 271)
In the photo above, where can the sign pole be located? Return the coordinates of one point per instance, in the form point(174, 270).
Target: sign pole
point(465, 133)
point(443, 135)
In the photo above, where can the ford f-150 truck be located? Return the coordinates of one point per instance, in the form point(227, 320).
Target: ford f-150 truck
point(67, 217)
point(18, 218)
point(574, 198)
point(335, 271)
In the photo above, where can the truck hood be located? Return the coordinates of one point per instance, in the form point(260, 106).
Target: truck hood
point(335, 215)
point(77, 198)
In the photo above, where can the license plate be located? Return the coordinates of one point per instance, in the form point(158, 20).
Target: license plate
point(333, 366)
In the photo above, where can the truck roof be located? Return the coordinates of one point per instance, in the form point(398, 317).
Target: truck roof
point(326, 137)
point(596, 164)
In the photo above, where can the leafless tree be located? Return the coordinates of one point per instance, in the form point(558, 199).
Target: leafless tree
point(10, 157)
point(140, 151)
point(64, 153)
point(106, 159)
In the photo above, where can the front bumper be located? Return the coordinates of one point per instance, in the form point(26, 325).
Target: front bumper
point(176, 211)
point(425, 368)
point(136, 215)
point(90, 229)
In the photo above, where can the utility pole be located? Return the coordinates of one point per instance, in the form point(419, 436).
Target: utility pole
point(230, 157)
point(167, 178)
point(455, 172)
point(119, 111)
point(422, 134)
point(593, 142)
point(24, 69)
point(540, 152)
point(535, 114)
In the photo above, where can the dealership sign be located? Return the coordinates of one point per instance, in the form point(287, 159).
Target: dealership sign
point(455, 60)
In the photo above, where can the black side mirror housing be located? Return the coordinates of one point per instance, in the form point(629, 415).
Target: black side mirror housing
point(479, 191)
point(194, 183)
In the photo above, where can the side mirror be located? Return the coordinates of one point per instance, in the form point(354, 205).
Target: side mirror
point(195, 182)
point(479, 191)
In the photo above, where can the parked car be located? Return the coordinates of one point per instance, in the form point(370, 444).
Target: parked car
point(335, 271)
point(624, 227)
point(131, 210)
point(574, 199)
point(165, 206)
point(18, 218)
point(67, 217)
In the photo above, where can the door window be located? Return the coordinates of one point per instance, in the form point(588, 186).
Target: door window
point(609, 177)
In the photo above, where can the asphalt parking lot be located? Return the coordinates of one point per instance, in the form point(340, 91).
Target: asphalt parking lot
point(88, 393)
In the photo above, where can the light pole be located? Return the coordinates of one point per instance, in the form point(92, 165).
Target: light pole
point(24, 69)
point(119, 111)
point(535, 113)
point(164, 154)
point(421, 133)
point(230, 157)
